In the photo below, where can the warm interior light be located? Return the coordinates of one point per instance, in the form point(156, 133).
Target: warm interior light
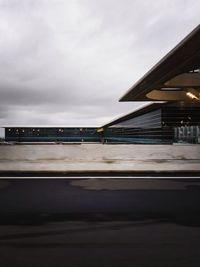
point(191, 95)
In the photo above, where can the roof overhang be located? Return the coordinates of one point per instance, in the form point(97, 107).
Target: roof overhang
point(176, 77)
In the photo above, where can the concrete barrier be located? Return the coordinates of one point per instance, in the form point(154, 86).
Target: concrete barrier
point(99, 157)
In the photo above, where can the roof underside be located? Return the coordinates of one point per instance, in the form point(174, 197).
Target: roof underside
point(173, 76)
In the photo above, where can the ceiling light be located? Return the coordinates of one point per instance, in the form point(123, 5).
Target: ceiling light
point(191, 95)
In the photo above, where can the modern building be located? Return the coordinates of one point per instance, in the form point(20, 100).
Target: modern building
point(52, 134)
point(176, 77)
point(157, 123)
point(174, 80)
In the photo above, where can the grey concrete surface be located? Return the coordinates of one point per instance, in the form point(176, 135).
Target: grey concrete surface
point(98, 157)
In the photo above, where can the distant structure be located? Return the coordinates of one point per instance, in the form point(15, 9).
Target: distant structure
point(174, 81)
point(51, 134)
point(157, 123)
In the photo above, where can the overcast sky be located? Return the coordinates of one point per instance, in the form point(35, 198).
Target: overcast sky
point(67, 62)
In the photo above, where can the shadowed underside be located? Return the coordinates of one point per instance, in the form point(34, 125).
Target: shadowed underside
point(175, 77)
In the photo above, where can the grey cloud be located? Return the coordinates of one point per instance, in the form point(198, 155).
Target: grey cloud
point(68, 62)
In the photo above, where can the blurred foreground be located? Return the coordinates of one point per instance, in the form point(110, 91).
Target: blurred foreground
point(97, 157)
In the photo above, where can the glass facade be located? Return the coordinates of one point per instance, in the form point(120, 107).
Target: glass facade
point(166, 124)
point(160, 124)
point(149, 120)
point(187, 134)
point(52, 134)
point(145, 128)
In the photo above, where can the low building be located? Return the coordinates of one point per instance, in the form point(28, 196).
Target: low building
point(52, 134)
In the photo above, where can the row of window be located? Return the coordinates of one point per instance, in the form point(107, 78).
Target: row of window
point(49, 131)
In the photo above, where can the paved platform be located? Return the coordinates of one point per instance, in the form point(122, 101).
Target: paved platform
point(108, 244)
point(98, 157)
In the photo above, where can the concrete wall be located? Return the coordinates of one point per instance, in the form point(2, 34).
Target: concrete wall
point(96, 152)
point(99, 157)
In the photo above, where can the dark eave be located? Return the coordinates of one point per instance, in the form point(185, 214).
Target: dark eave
point(184, 58)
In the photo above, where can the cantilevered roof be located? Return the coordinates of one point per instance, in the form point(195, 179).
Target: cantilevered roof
point(173, 76)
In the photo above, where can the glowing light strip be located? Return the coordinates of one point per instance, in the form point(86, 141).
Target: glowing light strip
point(189, 94)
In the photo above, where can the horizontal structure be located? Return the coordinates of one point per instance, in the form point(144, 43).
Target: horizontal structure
point(157, 123)
point(174, 81)
point(154, 123)
point(52, 134)
point(174, 78)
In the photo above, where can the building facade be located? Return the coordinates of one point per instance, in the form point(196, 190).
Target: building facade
point(52, 134)
point(175, 80)
point(157, 124)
